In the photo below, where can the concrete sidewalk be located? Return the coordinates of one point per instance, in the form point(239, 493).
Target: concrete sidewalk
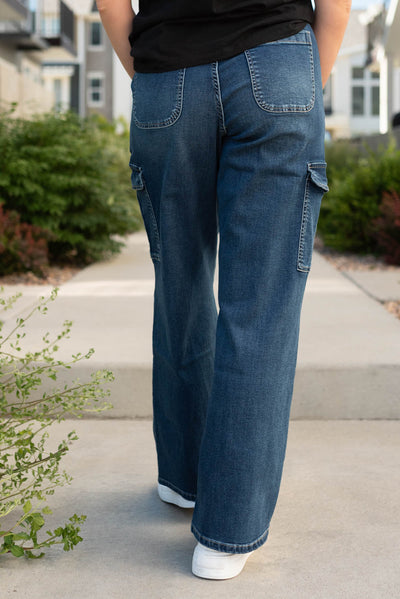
point(335, 531)
point(334, 534)
point(349, 349)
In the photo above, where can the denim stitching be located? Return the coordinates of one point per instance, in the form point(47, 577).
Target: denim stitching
point(185, 495)
point(176, 113)
point(286, 41)
point(303, 37)
point(218, 97)
point(236, 547)
point(305, 217)
point(255, 81)
point(140, 187)
point(155, 253)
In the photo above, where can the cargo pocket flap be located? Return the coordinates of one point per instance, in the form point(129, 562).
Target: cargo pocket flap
point(317, 172)
point(136, 176)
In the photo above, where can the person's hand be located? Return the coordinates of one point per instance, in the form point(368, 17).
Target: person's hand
point(117, 17)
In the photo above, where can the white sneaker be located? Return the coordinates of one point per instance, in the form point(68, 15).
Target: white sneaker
point(170, 496)
point(217, 565)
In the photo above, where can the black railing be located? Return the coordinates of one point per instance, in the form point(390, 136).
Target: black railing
point(60, 31)
point(39, 26)
point(67, 26)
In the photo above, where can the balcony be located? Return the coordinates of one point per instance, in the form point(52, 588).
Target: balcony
point(50, 26)
point(58, 28)
point(18, 26)
point(13, 10)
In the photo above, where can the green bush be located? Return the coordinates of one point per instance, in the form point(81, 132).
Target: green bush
point(70, 176)
point(347, 211)
point(341, 157)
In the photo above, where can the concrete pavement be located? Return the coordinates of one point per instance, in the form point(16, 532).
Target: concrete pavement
point(335, 531)
point(334, 534)
point(383, 286)
point(349, 349)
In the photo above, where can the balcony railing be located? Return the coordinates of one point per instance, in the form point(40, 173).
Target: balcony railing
point(20, 31)
point(58, 27)
point(13, 10)
point(39, 28)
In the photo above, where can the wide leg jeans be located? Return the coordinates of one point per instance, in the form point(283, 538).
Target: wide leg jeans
point(231, 150)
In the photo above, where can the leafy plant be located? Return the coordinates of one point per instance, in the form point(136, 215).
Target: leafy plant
point(347, 211)
point(29, 472)
point(386, 228)
point(70, 176)
point(23, 247)
point(341, 157)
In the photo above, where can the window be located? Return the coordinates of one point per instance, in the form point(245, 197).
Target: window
point(50, 25)
point(96, 35)
point(95, 89)
point(57, 93)
point(358, 101)
point(358, 73)
point(375, 100)
point(364, 92)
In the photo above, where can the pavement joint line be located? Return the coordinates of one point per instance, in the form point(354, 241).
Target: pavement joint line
point(330, 285)
point(363, 289)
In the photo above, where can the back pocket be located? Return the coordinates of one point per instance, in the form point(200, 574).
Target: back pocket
point(282, 74)
point(157, 98)
point(316, 186)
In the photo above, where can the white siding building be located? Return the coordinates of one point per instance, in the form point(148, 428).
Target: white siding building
point(352, 95)
point(388, 58)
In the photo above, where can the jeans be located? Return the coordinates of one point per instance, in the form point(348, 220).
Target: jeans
point(233, 149)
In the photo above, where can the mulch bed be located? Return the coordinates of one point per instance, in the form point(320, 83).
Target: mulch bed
point(350, 261)
point(54, 276)
point(393, 308)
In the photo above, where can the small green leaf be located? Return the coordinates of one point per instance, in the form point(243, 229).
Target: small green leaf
point(33, 556)
point(27, 507)
point(17, 551)
point(21, 536)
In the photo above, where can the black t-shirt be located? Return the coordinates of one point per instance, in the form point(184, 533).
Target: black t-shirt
point(172, 34)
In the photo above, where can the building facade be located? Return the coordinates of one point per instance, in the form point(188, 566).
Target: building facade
point(385, 54)
point(21, 78)
point(54, 54)
point(104, 84)
point(352, 95)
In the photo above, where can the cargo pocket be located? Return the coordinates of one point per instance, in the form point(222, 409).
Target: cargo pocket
point(146, 208)
point(316, 186)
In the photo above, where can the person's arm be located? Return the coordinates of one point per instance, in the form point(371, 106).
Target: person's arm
point(117, 17)
point(331, 18)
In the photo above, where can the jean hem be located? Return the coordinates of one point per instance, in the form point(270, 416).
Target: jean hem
point(184, 494)
point(230, 547)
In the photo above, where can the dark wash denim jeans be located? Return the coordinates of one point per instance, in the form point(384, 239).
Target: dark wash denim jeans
point(234, 148)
